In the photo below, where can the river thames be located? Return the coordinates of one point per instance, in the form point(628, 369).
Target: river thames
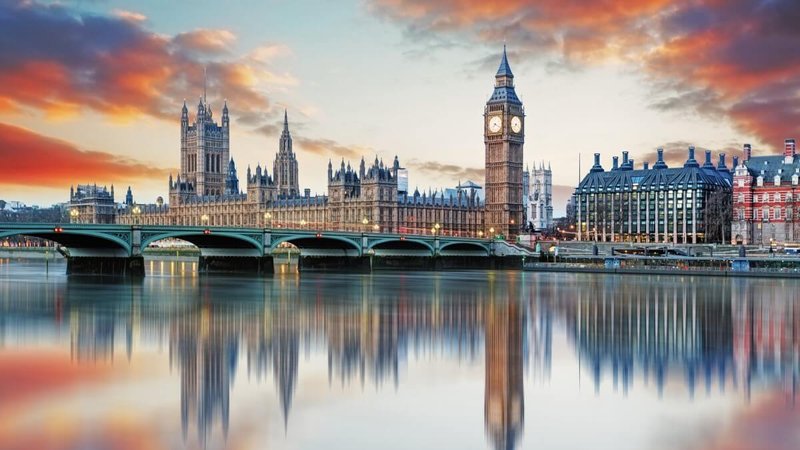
point(474, 359)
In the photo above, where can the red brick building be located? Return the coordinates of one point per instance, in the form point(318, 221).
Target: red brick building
point(766, 197)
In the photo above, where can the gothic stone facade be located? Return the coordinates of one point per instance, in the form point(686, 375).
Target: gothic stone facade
point(206, 191)
point(539, 199)
point(504, 137)
point(91, 203)
point(766, 196)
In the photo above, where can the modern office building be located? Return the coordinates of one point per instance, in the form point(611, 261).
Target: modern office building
point(651, 204)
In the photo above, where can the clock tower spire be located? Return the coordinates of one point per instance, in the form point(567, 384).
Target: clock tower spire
point(504, 137)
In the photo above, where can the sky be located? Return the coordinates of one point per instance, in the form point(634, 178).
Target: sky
point(91, 91)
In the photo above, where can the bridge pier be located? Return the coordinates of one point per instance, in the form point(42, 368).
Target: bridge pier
point(132, 266)
point(263, 265)
point(359, 264)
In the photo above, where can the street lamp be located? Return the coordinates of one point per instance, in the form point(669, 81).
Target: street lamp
point(303, 223)
point(136, 210)
point(365, 222)
point(268, 219)
point(480, 233)
point(436, 227)
point(204, 219)
point(73, 214)
point(376, 227)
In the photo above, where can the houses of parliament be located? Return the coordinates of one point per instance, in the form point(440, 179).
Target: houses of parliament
point(207, 190)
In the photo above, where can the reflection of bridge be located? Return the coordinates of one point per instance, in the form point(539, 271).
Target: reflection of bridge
point(118, 248)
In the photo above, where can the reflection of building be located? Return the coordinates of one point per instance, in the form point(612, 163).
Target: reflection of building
point(766, 195)
point(206, 351)
point(735, 335)
point(766, 341)
point(92, 204)
point(503, 395)
point(657, 204)
point(621, 328)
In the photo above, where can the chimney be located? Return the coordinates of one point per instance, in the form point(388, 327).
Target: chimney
point(789, 151)
point(708, 163)
point(735, 162)
point(630, 164)
point(624, 158)
point(747, 152)
point(646, 165)
point(660, 164)
point(596, 167)
point(722, 167)
point(615, 163)
point(691, 162)
point(307, 192)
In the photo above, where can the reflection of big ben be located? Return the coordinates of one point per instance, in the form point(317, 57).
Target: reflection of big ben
point(503, 397)
point(504, 136)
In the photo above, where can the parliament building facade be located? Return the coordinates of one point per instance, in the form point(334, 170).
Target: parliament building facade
point(366, 198)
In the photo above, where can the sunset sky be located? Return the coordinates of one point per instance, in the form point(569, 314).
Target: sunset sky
point(91, 91)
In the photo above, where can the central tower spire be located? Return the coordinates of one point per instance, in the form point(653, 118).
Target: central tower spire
point(285, 166)
point(504, 137)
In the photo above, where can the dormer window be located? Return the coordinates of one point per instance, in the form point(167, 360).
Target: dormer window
point(760, 181)
point(777, 180)
point(794, 179)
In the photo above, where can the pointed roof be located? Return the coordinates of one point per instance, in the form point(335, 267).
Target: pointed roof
point(504, 70)
point(285, 120)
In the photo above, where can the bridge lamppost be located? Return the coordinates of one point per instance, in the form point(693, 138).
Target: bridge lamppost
point(204, 219)
point(268, 220)
point(480, 234)
point(436, 227)
point(376, 228)
point(365, 222)
point(73, 215)
point(491, 232)
point(303, 223)
point(136, 210)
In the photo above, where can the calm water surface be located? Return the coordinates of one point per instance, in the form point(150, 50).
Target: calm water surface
point(396, 360)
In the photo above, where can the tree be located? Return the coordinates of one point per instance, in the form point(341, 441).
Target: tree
point(718, 216)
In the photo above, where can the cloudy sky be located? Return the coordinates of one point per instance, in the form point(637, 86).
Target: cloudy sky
point(91, 91)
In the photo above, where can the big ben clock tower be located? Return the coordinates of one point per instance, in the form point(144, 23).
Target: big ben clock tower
point(504, 136)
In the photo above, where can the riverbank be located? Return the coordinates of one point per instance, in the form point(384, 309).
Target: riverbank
point(769, 267)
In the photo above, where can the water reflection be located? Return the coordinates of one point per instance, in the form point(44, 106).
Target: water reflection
point(713, 333)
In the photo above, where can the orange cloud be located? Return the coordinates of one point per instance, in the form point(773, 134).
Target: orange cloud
point(205, 40)
point(36, 160)
point(330, 148)
point(115, 66)
point(733, 59)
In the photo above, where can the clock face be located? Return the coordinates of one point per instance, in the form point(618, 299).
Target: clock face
point(495, 123)
point(516, 124)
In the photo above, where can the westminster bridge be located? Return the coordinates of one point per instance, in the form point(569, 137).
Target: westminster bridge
point(117, 249)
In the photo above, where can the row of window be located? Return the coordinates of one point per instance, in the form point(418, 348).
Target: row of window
point(766, 213)
point(768, 197)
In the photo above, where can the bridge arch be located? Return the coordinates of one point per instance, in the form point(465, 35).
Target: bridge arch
point(315, 241)
point(77, 239)
point(473, 247)
point(202, 239)
point(395, 243)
